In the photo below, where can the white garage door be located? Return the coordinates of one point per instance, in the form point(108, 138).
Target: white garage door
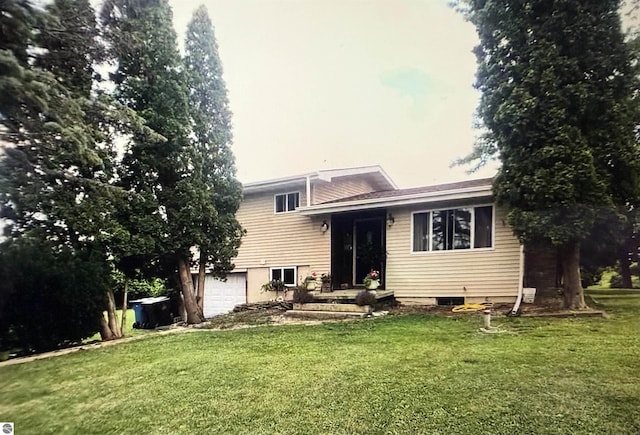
point(221, 296)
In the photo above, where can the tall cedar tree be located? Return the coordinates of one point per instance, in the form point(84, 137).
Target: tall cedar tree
point(151, 81)
point(216, 193)
point(555, 78)
point(55, 172)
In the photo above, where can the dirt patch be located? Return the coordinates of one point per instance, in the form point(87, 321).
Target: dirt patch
point(269, 313)
point(546, 305)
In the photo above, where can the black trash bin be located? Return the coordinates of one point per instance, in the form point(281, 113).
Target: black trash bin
point(152, 312)
point(158, 311)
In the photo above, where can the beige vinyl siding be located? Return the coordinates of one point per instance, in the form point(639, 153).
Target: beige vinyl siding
point(323, 191)
point(279, 240)
point(491, 272)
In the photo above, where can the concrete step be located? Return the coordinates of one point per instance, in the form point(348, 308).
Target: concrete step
point(352, 308)
point(324, 314)
point(348, 294)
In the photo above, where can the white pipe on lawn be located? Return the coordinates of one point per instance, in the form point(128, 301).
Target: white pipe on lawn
point(487, 319)
point(516, 307)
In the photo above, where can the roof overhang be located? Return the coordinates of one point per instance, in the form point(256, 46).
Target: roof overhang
point(475, 193)
point(382, 180)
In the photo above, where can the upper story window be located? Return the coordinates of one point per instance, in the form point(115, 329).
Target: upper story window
point(287, 202)
point(453, 229)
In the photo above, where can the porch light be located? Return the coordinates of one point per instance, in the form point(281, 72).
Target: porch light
point(324, 227)
point(390, 220)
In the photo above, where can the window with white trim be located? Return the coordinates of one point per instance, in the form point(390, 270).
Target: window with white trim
point(285, 274)
point(453, 229)
point(286, 202)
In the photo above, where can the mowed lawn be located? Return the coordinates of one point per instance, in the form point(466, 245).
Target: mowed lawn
point(411, 375)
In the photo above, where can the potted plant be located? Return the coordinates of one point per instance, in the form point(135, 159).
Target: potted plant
point(311, 281)
point(372, 280)
point(275, 286)
point(325, 278)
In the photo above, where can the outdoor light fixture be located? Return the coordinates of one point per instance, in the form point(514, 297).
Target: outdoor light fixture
point(390, 220)
point(324, 227)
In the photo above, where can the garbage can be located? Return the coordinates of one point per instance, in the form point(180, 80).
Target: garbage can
point(157, 312)
point(139, 313)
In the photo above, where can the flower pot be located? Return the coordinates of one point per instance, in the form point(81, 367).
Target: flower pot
point(311, 285)
point(373, 284)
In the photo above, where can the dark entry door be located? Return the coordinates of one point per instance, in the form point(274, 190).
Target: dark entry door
point(369, 248)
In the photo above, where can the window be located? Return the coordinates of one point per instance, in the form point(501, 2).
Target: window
point(453, 229)
point(483, 227)
point(287, 202)
point(285, 274)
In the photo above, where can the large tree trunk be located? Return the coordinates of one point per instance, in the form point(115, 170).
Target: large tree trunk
point(625, 266)
point(201, 277)
point(194, 314)
point(105, 332)
point(123, 324)
point(573, 292)
point(109, 328)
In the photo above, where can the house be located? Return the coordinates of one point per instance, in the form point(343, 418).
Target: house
point(431, 244)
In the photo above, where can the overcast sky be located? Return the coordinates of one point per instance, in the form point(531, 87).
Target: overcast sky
point(317, 84)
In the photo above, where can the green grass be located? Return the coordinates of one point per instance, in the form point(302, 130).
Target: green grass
point(407, 375)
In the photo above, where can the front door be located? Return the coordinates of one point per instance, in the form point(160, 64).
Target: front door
point(369, 249)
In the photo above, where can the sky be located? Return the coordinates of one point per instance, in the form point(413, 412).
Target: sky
point(320, 84)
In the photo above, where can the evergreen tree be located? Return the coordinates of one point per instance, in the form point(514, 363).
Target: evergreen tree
point(55, 172)
point(216, 191)
point(150, 80)
point(555, 78)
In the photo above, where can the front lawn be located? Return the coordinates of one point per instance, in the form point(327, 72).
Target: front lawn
point(412, 374)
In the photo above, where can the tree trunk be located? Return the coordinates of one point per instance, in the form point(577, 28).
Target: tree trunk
point(105, 332)
point(573, 292)
point(625, 267)
point(201, 278)
point(194, 314)
point(109, 328)
point(112, 315)
point(123, 324)
point(623, 255)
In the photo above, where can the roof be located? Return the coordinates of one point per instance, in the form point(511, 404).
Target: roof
point(461, 185)
point(377, 175)
point(479, 189)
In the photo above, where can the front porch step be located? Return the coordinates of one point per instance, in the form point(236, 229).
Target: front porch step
point(349, 294)
point(324, 314)
point(336, 308)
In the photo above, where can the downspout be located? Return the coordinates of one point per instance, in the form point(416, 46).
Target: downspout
point(308, 191)
point(516, 307)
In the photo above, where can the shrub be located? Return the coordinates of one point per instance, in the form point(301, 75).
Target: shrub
point(365, 297)
point(590, 277)
point(302, 296)
point(49, 298)
point(137, 288)
point(616, 280)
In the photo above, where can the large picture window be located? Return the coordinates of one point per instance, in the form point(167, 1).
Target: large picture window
point(287, 202)
point(285, 274)
point(453, 229)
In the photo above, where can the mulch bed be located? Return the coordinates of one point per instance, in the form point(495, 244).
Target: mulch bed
point(268, 313)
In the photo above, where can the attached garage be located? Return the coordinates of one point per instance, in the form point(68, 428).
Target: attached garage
point(221, 296)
